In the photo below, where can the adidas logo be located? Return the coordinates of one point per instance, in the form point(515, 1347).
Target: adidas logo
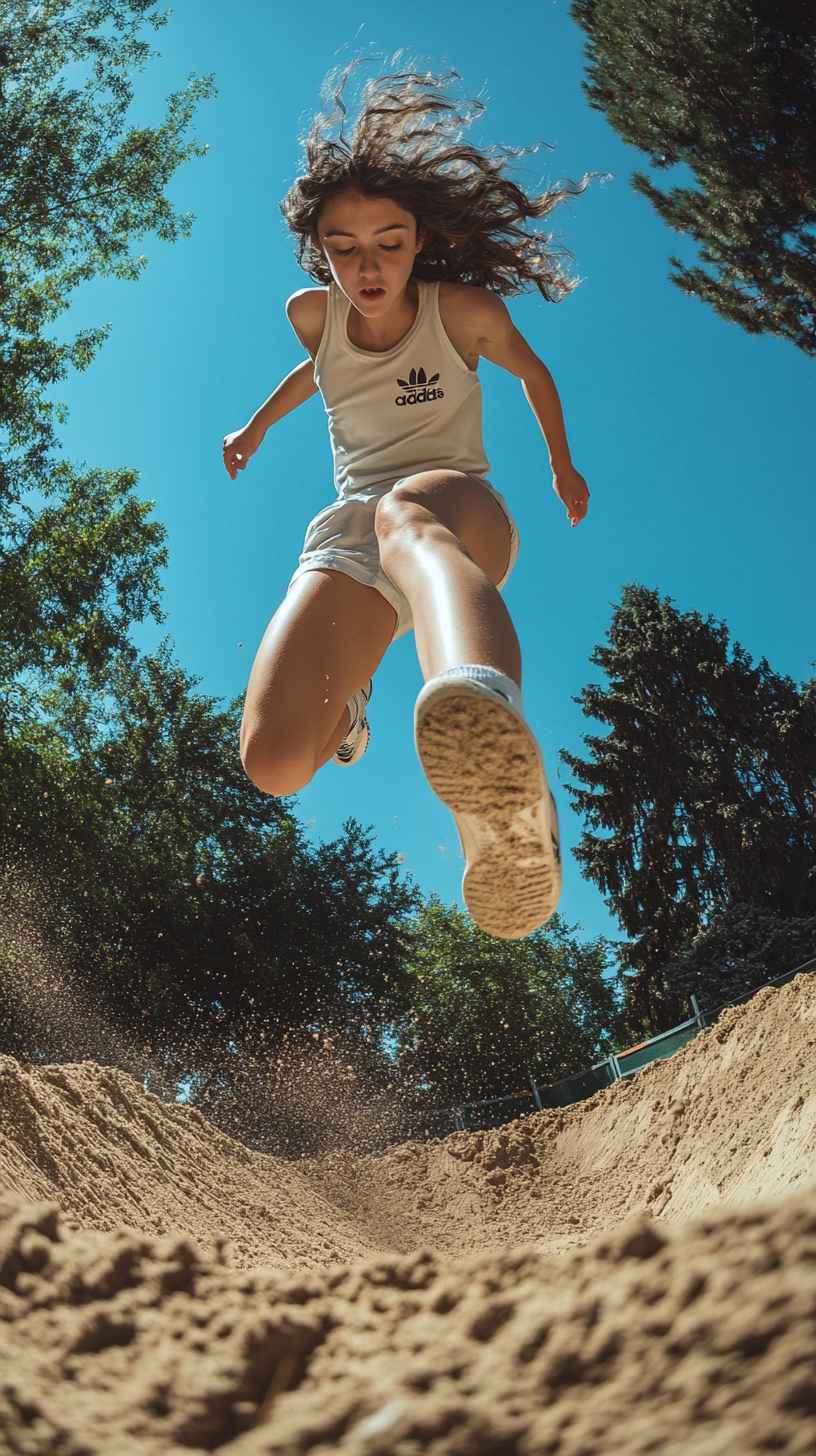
point(420, 388)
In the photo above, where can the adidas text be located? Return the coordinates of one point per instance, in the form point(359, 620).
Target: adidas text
point(419, 396)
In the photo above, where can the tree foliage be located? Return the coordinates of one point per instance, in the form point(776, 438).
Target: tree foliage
point(484, 1016)
point(703, 793)
point(172, 897)
point(76, 571)
point(730, 90)
point(738, 950)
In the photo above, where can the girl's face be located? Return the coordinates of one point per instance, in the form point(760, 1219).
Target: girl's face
point(370, 243)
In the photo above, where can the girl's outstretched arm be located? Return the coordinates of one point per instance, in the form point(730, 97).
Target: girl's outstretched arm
point(298, 386)
point(501, 342)
point(240, 445)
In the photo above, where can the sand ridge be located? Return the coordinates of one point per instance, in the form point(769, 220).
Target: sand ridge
point(633, 1274)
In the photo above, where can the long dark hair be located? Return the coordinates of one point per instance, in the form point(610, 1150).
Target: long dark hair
point(457, 193)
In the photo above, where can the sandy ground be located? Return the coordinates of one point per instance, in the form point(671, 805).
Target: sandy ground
point(636, 1274)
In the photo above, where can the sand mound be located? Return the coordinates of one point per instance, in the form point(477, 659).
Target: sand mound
point(535, 1289)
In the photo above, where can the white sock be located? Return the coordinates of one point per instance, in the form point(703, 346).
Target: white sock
point(491, 678)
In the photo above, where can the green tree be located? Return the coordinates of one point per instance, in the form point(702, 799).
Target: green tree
point(183, 905)
point(730, 90)
point(76, 571)
point(739, 949)
point(483, 1016)
point(702, 793)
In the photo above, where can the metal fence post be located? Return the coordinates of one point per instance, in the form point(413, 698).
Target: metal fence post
point(536, 1094)
point(698, 1015)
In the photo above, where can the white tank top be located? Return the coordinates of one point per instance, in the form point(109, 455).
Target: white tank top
point(414, 407)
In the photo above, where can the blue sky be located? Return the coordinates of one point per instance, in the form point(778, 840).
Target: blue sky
point(693, 436)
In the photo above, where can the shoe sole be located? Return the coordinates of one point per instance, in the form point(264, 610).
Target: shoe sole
point(483, 762)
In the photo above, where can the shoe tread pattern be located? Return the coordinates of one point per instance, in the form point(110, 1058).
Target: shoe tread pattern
point(484, 763)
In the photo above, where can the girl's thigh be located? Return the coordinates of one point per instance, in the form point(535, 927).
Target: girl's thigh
point(325, 641)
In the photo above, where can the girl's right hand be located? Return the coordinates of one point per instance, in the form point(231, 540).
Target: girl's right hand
point(239, 447)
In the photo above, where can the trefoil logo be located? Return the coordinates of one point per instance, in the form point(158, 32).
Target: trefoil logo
point(420, 388)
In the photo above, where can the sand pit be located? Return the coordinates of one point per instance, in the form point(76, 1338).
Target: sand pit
point(634, 1274)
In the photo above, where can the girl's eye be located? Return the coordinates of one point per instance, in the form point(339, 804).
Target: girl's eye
point(386, 247)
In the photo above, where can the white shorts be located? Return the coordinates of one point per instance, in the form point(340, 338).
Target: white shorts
point(341, 537)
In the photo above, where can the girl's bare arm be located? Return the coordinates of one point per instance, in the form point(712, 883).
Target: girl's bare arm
point(298, 386)
point(240, 445)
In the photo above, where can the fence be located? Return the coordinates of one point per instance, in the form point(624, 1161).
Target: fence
point(494, 1111)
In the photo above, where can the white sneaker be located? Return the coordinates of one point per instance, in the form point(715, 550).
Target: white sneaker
point(481, 758)
point(356, 740)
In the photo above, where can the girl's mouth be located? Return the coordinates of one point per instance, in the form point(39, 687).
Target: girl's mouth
point(371, 292)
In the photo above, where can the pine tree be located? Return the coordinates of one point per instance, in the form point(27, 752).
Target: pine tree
point(702, 794)
point(730, 90)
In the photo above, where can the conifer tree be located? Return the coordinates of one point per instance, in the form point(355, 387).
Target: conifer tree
point(729, 90)
point(702, 794)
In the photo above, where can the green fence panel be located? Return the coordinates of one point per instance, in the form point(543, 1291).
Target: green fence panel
point(495, 1114)
point(577, 1088)
point(656, 1050)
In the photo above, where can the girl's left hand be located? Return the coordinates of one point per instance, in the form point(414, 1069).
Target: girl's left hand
point(571, 488)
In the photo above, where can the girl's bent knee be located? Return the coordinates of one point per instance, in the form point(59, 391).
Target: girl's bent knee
point(280, 775)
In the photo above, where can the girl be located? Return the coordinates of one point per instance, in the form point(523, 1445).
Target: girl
point(401, 229)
